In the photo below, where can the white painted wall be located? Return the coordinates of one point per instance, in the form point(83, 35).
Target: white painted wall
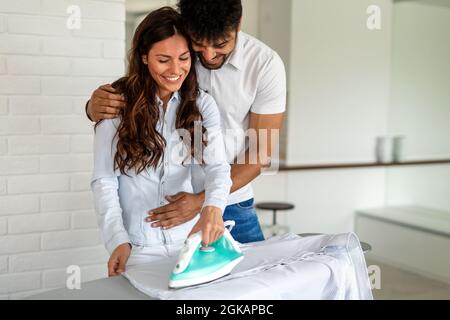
point(420, 103)
point(427, 186)
point(47, 73)
point(338, 105)
point(339, 83)
point(275, 27)
point(250, 19)
point(325, 201)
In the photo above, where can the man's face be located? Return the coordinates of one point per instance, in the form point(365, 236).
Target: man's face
point(213, 54)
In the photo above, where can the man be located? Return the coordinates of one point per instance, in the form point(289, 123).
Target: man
point(248, 81)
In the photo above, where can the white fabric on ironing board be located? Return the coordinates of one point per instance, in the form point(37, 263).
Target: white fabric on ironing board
point(284, 267)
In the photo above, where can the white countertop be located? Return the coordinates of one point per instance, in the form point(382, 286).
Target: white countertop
point(422, 218)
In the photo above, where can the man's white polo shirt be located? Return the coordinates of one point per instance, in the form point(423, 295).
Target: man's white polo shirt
point(253, 79)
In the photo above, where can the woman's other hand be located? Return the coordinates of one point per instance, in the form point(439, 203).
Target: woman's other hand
point(118, 260)
point(210, 224)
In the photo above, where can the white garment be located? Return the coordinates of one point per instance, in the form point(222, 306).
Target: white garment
point(285, 267)
point(144, 255)
point(253, 79)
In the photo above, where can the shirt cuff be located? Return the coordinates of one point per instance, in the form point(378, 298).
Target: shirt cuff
point(215, 202)
point(117, 240)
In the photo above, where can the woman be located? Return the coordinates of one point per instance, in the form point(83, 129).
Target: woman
point(140, 158)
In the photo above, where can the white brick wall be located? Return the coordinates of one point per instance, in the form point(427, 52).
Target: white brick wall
point(26, 65)
point(3, 226)
point(19, 125)
point(81, 144)
point(70, 239)
point(22, 243)
point(3, 146)
point(18, 165)
point(19, 44)
point(80, 182)
point(38, 223)
point(20, 85)
point(47, 73)
point(71, 47)
point(38, 183)
point(3, 264)
point(84, 219)
point(66, 163)
point(57, 278)
point(56, 259)
point(2, 65)
point(3, 105)
point(40, 105)
point(2, 23)
point(38, 25)
point(38, 144)
point(20, 282)
point(20, 6)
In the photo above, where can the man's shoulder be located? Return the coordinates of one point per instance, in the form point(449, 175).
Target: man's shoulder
point(255, 48)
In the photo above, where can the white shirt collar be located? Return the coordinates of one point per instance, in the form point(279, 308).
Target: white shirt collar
point(175, 96)
point(235, 59)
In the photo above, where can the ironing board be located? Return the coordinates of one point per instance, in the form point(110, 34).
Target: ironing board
point(117, 288)
point(324, 267)
point(290, 279)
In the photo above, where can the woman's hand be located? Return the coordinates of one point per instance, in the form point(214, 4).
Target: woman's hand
point(118, 260)
point(211, 225)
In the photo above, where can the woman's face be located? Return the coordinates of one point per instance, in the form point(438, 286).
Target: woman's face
point(169, 62)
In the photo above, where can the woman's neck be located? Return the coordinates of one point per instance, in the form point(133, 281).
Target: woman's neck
point(165, 97)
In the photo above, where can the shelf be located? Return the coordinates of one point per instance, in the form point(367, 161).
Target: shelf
point(362, 165)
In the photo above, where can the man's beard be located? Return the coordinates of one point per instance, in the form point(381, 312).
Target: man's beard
point(209, 67)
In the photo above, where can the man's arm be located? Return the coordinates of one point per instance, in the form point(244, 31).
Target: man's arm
point(185, 206)
point(267, 112)
point(105, 103)
point(243, 174)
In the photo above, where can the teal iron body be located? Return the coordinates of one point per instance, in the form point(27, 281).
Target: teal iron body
point(198, 264)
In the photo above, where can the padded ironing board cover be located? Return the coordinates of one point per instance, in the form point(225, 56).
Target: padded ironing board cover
point(284, 267)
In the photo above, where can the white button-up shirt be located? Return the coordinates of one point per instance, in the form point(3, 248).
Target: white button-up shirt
point(253, 79)
point(122, 202)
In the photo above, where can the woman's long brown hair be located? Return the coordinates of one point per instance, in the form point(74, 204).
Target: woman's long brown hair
point(140, 145)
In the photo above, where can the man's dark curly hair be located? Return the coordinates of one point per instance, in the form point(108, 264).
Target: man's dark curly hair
point(210, 19)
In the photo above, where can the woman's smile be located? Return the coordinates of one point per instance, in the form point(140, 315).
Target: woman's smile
point(173, 79)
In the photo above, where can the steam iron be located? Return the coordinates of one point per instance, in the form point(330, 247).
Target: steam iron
point(197, 264)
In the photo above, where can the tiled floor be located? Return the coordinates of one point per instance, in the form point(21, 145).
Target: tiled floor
point(397, 284)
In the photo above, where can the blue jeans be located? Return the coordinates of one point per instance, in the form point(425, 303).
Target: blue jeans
point(247, 228)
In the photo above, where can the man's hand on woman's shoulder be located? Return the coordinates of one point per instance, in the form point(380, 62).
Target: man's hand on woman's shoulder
point(105, 103)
